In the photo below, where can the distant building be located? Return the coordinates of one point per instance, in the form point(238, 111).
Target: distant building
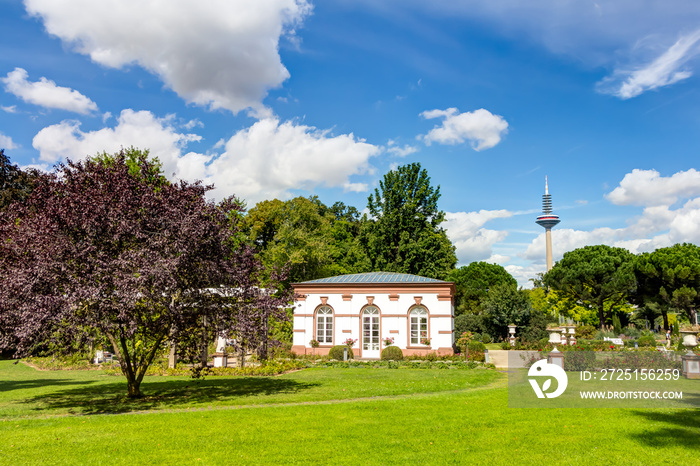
point(372, 307)
point(548, 220)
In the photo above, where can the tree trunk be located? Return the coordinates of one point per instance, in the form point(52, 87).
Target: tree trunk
point(204, 354)
point(134, 388)
point(601, 315)
point(665, 316)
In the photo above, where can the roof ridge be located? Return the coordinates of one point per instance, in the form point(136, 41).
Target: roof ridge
point(376, 277)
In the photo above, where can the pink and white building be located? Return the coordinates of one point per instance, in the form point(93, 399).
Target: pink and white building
point(417, 312)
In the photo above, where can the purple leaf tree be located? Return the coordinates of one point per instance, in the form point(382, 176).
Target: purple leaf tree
point(107, 249)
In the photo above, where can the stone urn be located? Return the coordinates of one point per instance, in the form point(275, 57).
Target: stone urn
point(690, 338)
point(511, 331)
point(554, 336)
point(572, 335)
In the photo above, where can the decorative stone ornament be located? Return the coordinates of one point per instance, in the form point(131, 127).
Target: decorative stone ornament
point(691, 366)
point(572, 335)
point(511, 331)
point(554, 336)
point(690, 339)
point(563, 336)
point(690, 361)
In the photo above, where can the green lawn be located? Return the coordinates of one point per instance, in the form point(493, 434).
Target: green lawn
point(322, 416)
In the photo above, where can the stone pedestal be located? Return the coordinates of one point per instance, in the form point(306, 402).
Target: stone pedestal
point(556, 357)
point(691, 366)
point(220, 359)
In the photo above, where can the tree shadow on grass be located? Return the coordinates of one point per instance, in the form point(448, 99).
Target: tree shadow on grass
point(678, 428)
point(9, 385)
point(110, 398)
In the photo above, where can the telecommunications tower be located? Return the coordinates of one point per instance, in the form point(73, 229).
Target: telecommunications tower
point(548, 220)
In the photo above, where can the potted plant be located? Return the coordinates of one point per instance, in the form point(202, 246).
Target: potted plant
point(425, 341)
point(388, 341)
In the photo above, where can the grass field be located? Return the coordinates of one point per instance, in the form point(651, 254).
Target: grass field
point(321, 416)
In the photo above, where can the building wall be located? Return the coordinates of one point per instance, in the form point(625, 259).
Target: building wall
point(394, 305)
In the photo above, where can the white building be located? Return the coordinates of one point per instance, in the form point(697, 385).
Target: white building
point(417, 312)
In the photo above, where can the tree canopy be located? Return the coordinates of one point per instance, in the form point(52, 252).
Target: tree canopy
point(505, 304)
point(309, 238)
point(473, 283)
point(669, 278)
point(404, 233)
point(599, 276)
point(100, 251)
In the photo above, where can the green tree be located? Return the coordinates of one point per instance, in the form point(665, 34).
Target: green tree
point(404, 234)
point(505, 304)
point(669, 278)
point(597, 276)
point(473, 282)
point(15, 184)
point(307, 237)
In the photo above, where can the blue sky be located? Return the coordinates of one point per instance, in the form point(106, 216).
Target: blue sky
point(279, 98)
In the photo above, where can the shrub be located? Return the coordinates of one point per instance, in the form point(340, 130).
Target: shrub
point(646, 340)
point(476, 351)
point(585, 332)
point(579, 360)
point(337, 352)
point(393, 353)
point(468, 323)
point(486, 338)
point(544, 342)
point(632, 332)
point(476, 337)
point(617, 326)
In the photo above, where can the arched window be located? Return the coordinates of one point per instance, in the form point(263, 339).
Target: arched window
point(418, 321)
point(324, 325)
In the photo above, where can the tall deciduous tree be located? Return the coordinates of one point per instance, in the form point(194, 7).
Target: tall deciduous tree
point(505, 304)
point(310, 239)
point(600, 276)
point(99, 249)
point(669, 278)
point(404, 234)
point(473, 283)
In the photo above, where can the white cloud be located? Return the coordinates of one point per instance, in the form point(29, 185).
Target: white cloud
point(271, 158)
point(649, 188)
point(471, 241)
point(666, 69)
point(394, 149)
point(217, 53)
point(481, 128)
point(46, 93)
point(266, 160)
point(9, 109)
point(139, 129)
point(6, 142)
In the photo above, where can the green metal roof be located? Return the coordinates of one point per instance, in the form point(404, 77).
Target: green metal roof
point(376, 277)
